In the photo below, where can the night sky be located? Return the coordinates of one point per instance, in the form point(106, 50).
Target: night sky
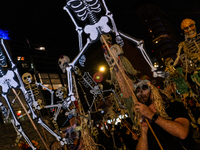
point(46, 23)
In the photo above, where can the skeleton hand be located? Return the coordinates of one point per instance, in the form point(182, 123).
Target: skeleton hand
point(82, 60)
point(119, 41)
point(161, 74)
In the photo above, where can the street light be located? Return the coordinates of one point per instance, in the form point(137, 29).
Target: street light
point(102, 69)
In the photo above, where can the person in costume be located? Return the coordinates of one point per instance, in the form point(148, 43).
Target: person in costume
point(118, 76)
point(170, 122)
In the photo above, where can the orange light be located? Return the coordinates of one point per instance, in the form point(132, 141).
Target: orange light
point(22, 58)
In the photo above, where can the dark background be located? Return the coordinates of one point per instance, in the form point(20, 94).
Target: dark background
point(46, 23)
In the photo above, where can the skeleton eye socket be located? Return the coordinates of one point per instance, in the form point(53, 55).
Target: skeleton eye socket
point(192, 26)
point(186, 28)
point(25, 78)
point(59, 62)
point(28, 76)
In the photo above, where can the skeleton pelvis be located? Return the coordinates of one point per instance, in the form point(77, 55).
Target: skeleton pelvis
point(92, 29)
point(7, 81)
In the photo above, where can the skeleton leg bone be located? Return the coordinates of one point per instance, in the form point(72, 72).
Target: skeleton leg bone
point(16, 122)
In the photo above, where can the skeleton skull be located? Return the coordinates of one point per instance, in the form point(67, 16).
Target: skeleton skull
point(188, 25)
point(61, 92)
point(27, 78)
point(62, 62)
point(77, 70)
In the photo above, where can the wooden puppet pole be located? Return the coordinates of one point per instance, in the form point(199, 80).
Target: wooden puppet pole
point(147, 121)
point(81, 110)
point(133, 94)
point(30, 118)
point(29, 85)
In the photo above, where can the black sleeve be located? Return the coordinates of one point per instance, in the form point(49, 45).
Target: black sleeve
point(177, 110)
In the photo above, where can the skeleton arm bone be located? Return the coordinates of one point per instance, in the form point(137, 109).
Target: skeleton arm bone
point(52, 100)
point(180, 46)
point(140, 46)
point(79, 31)
point(71, 65)
point(118, 39)
point(78, 28)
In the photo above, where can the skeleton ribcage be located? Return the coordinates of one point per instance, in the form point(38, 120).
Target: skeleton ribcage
point(83, 8)
point(192, 49)
point(87, 80)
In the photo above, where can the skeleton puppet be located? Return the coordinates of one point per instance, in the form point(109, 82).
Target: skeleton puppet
point(191, 50)
point(61, 93)
point(86, 10)
point(8, 81)
point(190, 47)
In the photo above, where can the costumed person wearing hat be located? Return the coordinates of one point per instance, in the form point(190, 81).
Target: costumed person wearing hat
point(170, 122)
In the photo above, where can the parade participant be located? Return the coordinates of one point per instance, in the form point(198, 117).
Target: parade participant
point(170, 122)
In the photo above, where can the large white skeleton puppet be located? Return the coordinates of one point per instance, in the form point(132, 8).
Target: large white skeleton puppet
point(86, 10)
point(11, 79)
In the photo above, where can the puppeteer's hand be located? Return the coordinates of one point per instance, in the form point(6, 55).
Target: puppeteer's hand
point(144, 127)
point(144, 110)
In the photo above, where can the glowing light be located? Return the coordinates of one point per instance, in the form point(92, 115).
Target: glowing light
point(19, 113)
point(156, 65)
point(20, 58)
point(102, 69)
point(42, 48)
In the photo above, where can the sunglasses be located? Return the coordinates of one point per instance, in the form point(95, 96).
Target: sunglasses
point(192, 26)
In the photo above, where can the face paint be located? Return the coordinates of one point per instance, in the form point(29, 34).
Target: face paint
point(143, 92)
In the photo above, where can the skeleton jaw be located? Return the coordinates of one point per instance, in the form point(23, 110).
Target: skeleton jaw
point(191, 34)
